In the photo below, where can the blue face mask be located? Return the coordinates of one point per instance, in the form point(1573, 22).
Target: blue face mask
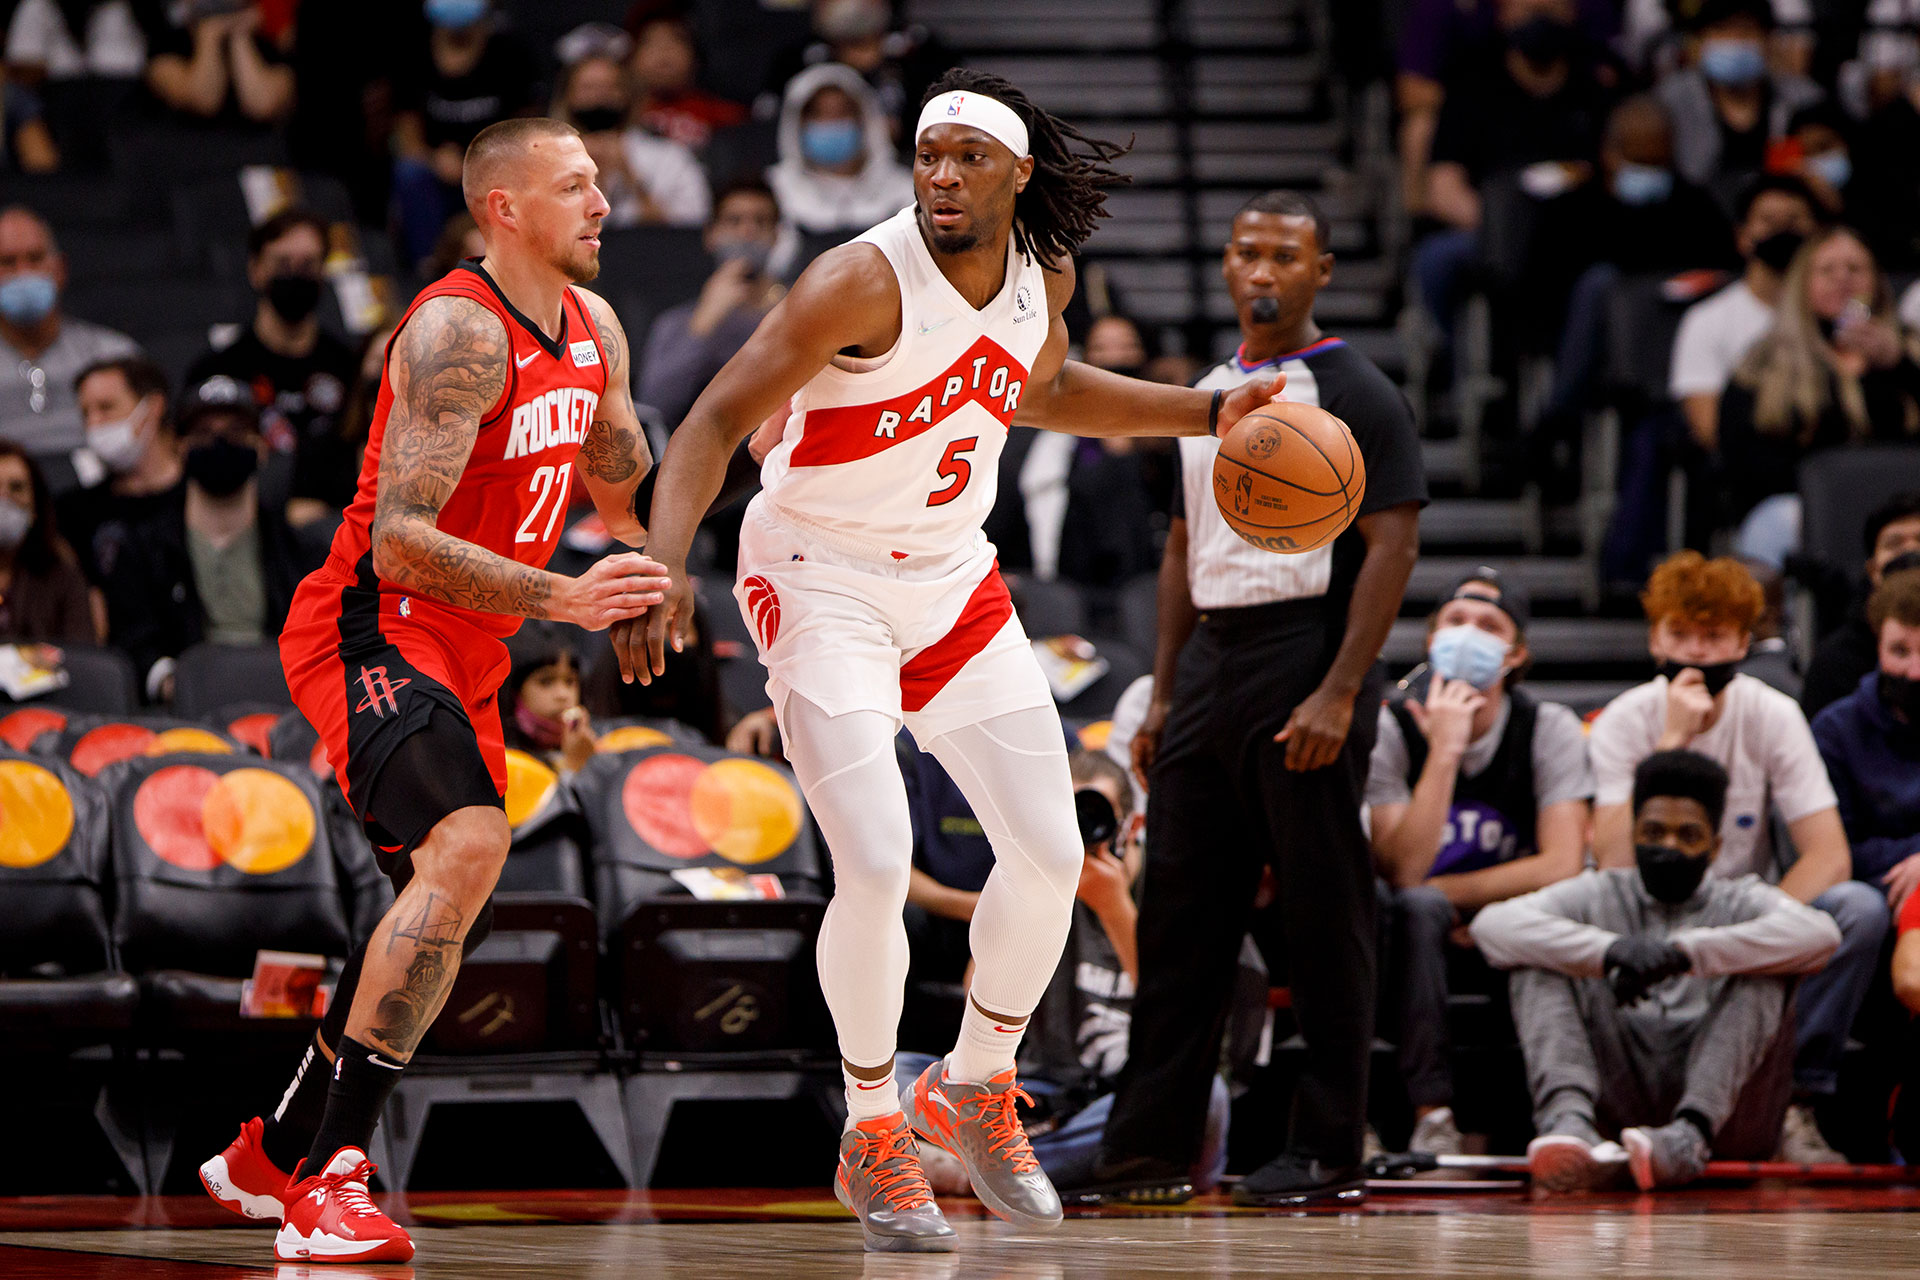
point(1834, 168)
point(831, 143)
point(1467, 653)
point(455, 15)
point(28, 299)
point(1733, 62)
point(1641, 184)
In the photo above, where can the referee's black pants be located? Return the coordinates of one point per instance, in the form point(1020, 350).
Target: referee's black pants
point(1220, 805)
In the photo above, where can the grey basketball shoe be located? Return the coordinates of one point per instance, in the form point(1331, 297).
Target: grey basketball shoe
point(979, 1124)
point(880, 1180)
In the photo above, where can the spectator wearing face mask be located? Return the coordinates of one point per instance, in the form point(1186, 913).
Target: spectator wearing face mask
point(1775, 217)
point(1650, 998)
point(467, 75)
point(1836, 369)
point(43, 593)
point(646, 179)
point(899, 62)
point(540, 709)
point(689, 343)
point(664, 63)
point(1891, 541)
point(215, 564)
point(1818, 147)
point(1476, 792)
point(298, 372)
point(1870, 740)
point(1728, 106)
point(836, 169)
point(42, 348)
point(124, 404)
point(1701, 615)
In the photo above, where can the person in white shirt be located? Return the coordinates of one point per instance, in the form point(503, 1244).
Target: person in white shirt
point(837, 170)
point(1776, 216)
point(1702, 614)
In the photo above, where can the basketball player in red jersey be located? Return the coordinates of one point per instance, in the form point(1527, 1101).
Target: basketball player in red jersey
point(498, 378)
point(890, 374)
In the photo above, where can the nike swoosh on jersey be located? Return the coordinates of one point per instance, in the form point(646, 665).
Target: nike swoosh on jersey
point(520, 362)
point(929, 328)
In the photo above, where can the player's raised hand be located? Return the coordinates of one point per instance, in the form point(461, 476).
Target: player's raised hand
point(666, 625)
point(616, 588)
point(1247, 397)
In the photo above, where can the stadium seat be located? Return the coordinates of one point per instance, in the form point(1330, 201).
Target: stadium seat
point(99, 681)
point(92, 743)
point(1049, 608)
point(212, 677)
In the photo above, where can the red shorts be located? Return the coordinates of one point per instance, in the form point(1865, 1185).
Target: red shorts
point(367, 675)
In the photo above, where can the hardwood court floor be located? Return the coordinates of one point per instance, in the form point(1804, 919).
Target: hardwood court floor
point(1743, 1233)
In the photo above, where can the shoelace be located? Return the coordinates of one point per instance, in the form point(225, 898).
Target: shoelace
point(896, 1175)
point(1002, 1124)
point(351, 1189)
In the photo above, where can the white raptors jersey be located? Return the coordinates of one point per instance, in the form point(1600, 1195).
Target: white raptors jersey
point(900, 454)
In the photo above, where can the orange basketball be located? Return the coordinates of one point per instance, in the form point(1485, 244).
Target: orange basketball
point(1288, 478)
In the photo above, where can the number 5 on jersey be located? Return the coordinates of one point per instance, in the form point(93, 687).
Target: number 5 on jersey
point(955, 470)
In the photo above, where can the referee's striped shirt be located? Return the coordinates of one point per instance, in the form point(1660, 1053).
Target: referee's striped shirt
point(1223, 571)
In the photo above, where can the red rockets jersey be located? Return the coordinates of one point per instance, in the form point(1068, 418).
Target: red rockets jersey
point(512, 497)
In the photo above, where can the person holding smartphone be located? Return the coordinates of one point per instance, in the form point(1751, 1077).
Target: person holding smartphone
point(688, 344)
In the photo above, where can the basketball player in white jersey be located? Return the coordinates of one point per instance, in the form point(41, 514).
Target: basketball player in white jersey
point(896, 364)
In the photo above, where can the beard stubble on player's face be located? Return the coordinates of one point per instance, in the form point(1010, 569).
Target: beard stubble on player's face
point(962, 206)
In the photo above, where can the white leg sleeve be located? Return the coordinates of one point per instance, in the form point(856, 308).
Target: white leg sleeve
point(847, 768)
point(1013, 771)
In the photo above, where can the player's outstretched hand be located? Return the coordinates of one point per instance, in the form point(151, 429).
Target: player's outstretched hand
point(665, 625)
point(616, 588)
point(1247, 397)
point(1316, 730)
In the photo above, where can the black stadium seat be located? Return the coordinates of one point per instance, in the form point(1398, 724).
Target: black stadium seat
point(100, 681)
point(211, 677)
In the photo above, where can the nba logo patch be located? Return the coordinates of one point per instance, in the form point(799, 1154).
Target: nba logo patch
point(953, 108)
point(585, 354)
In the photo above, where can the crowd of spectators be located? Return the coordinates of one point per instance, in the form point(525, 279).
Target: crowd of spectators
point(1555, 152)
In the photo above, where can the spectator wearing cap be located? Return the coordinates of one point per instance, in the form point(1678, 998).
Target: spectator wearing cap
point(1701, 615)
point(41, 347)
point(1891, 539)
point(1650, 999)
point(218, 565)
point(123, 402)
point(1870, 740)
point(297, 372)
point(1729, 105)
point(1476, 792)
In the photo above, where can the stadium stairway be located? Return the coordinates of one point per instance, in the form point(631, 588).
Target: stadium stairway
point(1224, 99)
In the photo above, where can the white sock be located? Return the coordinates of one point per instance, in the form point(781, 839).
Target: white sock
point(986, 1047)
point(869, 1099)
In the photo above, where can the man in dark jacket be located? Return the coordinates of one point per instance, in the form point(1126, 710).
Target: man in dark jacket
point(1851, 650)
point(217, 565)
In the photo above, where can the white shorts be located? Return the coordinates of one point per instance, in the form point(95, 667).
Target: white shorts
point(931, 641)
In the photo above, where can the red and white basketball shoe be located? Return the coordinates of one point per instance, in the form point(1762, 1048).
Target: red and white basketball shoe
point(242, 1179)
point(331, 1218)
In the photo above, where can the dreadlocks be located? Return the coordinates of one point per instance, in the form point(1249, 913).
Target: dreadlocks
point(1068, 189)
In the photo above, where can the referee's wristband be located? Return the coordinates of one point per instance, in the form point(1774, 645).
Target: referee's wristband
point(1213, 413)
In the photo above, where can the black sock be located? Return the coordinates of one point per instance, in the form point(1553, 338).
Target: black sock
point(363, 1079)
point(287, 1132)
point(1698, 1121)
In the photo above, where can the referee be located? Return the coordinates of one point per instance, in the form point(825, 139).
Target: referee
point(1255, 756)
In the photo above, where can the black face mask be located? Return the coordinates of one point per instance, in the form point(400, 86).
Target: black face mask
point(293, 297)
point(221, 466)
point(1670, 875)
point(1098, 821)
point(1777, 250)
point(1718, 675)
point(1264, 310)
point(1901, 695)
point(599, 119)
point(1542, 41)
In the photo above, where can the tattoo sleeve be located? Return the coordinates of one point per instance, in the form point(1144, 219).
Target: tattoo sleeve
point(405, 1012)
point(448, 369)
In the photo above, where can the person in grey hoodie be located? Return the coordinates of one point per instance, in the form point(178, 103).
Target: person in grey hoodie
point(1651, 1001)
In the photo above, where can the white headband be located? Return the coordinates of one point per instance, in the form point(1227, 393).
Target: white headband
point(989, 115)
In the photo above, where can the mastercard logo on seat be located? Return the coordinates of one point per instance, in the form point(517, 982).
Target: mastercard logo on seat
point(530, 784)
point(36, 814)
point(112, 743)
point(740, 809)
point(21, 729)
point(253, 820)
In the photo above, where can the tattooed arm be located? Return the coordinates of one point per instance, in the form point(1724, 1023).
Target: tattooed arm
point(615, 457)
point(448, 368)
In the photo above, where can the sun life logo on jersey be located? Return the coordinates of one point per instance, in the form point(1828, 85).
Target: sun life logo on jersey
point(1023, 304)
point(559, 417)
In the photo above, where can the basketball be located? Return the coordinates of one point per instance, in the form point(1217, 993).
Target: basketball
point(1289, 478)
